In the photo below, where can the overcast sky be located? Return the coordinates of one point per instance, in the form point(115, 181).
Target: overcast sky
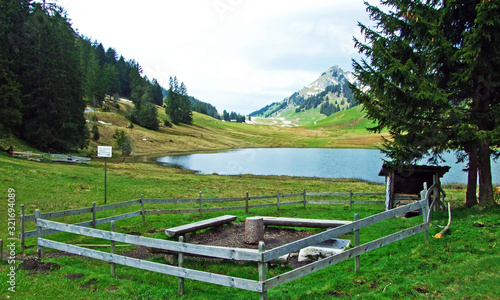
point(238, 55)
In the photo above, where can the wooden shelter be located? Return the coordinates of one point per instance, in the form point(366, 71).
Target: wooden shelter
point(404, 185)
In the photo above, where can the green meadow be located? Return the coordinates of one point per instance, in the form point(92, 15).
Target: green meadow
point(461, 265)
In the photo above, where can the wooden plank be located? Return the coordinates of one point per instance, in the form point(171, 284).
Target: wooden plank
point(118, 217)
point(209, 251)
point(368, 194)
point(328, 202)
point(327, 194)
point(117, 205)
point(213, 278)
point(214, 209)
point(296, 222)
point(59, 214)
point(171, 211)
point(291, 203)
point(231, 199)
point(346, 202)
point(292, 195)
point(200, 225)
point(170, 201)
point(262, 197)
point(30, 234)
point(341, 230)
point(87, 223)
point(324, 263)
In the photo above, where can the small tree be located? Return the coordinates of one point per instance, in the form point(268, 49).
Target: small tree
point(123, 142)
point(95, 132)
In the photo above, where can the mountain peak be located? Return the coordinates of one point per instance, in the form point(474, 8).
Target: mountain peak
point(330, 88)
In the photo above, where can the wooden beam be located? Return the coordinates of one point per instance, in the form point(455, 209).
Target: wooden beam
point(213, 278)
point(200, 225)
point(296, 222)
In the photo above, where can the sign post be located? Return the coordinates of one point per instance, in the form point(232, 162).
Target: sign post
point(105, 151)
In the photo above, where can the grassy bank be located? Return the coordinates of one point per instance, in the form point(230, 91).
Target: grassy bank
point(463, 265)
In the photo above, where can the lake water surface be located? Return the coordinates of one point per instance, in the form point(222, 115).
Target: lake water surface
point(362, 164)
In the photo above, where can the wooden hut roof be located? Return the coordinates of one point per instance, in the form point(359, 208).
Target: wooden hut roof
point(386, 170)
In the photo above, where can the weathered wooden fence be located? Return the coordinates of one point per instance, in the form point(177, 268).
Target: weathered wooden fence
point(70, 159)
point(94, 209)
point(261, 257)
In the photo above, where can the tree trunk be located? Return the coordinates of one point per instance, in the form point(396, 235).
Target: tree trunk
point(485, 179)
point(471, 197)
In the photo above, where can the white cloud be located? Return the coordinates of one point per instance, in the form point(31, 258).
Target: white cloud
point(236, 54)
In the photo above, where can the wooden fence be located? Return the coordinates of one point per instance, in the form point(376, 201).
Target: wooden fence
point(261, 257)
point(70, 159)
point(94, 209)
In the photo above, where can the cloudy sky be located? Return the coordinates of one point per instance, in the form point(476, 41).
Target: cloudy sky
point(238, 55)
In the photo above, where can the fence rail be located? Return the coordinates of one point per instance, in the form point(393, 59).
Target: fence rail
point(200, 209)
point(261, 257)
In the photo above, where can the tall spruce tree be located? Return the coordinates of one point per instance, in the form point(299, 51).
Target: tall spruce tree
point(13, 15)
point(51, 82)
point(431, 78)
point(173, 102)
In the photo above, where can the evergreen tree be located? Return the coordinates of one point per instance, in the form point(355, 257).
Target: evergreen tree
point(51, 82)
point(10, 101)
point(185, 105)
point(178, 103)
point(157, 93)
point(124, 68)
point(173, 102)
point(432, 71)
point(13, 16)
point(147, 114)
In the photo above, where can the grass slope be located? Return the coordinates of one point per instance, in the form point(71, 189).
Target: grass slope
point(208, 133)
point(463, 265)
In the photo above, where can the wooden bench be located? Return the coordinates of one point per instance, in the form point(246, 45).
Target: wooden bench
point(295, 222)
point(179, 230)
point(28, 155)
point(70, 159)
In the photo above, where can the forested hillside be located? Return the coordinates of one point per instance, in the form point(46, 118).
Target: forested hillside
point(49, 74)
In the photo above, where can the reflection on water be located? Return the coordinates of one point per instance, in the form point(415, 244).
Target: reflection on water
point(363, 164)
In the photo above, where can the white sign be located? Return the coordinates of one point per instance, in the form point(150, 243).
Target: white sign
point(104, 151)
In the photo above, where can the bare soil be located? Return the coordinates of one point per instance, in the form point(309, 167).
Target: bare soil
point(232, 236)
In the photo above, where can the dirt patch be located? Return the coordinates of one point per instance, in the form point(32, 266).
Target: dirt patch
point(36, 266)
point(232, 236)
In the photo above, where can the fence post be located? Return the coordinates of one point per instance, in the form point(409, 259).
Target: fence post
point(1, 250)
point(262, 270)
point(246, 204)
point(21, 234)
point(356, 243)
point(278, 199)
point(142, 209)
point(350, 200)
point(181, 265)
point(39, 234)
point(113, 249)
point(425, 210)
point(305, 201)
point(201, 211)
point(94, 215)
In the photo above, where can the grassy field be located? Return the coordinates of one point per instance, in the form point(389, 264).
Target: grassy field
point(462, 265)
